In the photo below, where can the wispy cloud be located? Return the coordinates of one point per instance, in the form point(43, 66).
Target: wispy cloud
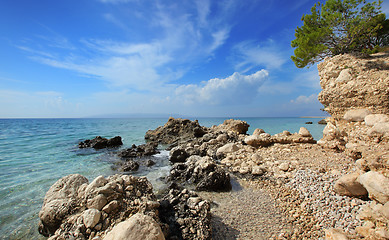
point(235, 89)
point(185, 36)
point(250, 54)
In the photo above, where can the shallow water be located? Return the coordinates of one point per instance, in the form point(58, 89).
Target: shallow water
point(35, 153)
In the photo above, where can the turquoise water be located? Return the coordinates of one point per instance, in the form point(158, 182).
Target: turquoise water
point(34, 153)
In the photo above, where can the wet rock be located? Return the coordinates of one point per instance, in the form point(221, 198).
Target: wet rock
point(59, 202)
point(130, 166)
point(142, 150)
point(178, 154)
point(100, 143)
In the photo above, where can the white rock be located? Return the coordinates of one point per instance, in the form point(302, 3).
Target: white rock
point(228, 148)
point(258, 131)
point(137, 227)
point(379, 128)
point(356, 115)
point(335, 234)
point(344, 76)
point(304, 132)
point(284, 166)
point(91, 217)
point(377, 185)
point(372, 119)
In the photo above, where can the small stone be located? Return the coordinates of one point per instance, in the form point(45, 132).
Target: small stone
point(91, 217)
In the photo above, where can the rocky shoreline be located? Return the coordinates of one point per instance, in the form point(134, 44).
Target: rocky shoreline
point(225, 184)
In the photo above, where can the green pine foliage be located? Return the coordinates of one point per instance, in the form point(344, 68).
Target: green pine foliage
point(339, 26)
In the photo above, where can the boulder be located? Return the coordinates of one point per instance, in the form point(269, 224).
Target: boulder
point(177, 154)
point(323, 122)
point(187, 215)
point(100, 143)
point(372, 119)
point(335, 234)
point(258, 131)
point(85, 211)
point(236, 126)
point(137, 227)
point(203, 172)
point(379, 129)
point(377, 185)
point(348, 185)
point(142, 150)
point(91, 217)
point(344, 76)
point(59, 202)
point(304, 132)
point(262, 140)
point(130, 166)
point(228, 148)
point(356, 115)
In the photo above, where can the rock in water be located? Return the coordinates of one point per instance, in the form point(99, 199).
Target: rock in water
point(176, 130)
point(100, 143)
point(59, 202)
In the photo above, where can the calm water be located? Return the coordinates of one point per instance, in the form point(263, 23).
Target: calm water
point(34, 153)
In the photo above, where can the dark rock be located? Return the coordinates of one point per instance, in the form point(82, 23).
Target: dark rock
point(308, 122)
point(184, 210)
point(100, 143)
point(176, 130)
point(130, 166)
point(203, 172)
point(323, 121)
point(178, 155)
point(149, 163)
point(147, 149)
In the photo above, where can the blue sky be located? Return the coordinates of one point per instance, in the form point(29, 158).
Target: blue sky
point(225, 58)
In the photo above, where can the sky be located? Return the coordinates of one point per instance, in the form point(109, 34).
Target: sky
point(204, 58)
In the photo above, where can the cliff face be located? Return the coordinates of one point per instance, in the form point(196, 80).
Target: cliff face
point(355, 82)
point(356, 94)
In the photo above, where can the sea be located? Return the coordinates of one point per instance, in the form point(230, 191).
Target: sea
point(35, 153)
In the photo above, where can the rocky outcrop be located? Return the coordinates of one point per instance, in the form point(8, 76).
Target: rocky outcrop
point(354, 82)
point(176, 130)
point(75, 208)
point(142, 150)
point(237, 126)
point(203, 172)
point(100, 143)
point(262, 139)
point(187, 215)
point(356, 94)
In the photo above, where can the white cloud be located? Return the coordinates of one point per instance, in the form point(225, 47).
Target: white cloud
point(308, 79)
point(235, 89)
point(305, 99)
point(250, 54)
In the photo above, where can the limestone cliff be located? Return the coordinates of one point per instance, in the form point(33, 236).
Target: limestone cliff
point(356, 94)
point(354, 82)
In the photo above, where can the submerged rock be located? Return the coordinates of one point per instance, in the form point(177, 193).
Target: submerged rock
point(100, 143)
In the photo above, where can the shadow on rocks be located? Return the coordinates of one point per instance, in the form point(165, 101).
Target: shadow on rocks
point(222, 231)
